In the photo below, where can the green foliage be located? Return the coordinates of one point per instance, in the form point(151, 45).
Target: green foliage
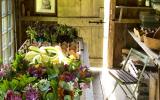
point(51, 33)
point(24, 80)
point(52, 70)
point(43, 85)
point(50, 96)
point(87, 80)
point(31, 32)
point(14, 84)
point(1, 61)
point(66, 33)
point(74, 64)
point(4, 86)
point(19, 63)
point(67, 97)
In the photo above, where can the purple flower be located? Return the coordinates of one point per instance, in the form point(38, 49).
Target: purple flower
point(32, 94)
point(12, 96)
point(2, 73)
point(37, 72)
point(83, 68)
point(68, 76)
point(88, 74)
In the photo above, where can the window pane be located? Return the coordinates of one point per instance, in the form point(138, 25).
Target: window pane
point(9, 37)
point(9, 21)
point(7, 31)
point(9, 51)
point(5, 56)
point(4, 24)
point(4, 40)
point(3, 7)
point(9, 6)
point(12, 49)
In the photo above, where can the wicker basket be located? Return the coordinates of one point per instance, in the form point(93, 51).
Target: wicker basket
point(152, 43)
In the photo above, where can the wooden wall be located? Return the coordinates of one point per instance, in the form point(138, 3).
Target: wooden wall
point(76, 13)
point(118, 35)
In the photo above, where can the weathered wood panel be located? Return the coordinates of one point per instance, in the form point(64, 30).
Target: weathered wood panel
point(111, 34)
point(83, 8)
point(93, 36)
point(67, 8)
point(86, 8)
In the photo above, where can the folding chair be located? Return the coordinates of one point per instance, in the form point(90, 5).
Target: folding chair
point(125, 78)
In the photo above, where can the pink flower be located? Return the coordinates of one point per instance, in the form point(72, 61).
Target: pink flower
point(84, 86)
point(2, 73)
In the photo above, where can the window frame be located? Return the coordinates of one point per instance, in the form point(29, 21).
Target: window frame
point(9, 48)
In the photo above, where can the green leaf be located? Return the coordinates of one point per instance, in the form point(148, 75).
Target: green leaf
point(74, 65)
point(54, 84)
point(43, 85)
point(4, 86)
point(14, 84)
point(24, 80)
point(50, 96)
point(52, 71)
point(67, 97)
point(2, 95)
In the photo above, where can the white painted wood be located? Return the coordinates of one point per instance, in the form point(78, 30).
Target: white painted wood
point(87, 93)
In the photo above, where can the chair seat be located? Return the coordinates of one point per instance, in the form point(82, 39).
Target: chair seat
point(123, 76)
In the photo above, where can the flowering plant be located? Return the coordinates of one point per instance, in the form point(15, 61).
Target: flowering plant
point(53, 33)
point(44, 73)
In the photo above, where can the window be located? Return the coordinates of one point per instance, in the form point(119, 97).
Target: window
point(7, 31)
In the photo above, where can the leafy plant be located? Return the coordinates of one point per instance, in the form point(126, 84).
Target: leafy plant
point(31, 33)
point(66, 33)
point(53, 33)
point(24, 80)
point(19, 63)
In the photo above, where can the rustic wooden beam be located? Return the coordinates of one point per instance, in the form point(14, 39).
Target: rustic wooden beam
point(111, 34)
point(38, 18)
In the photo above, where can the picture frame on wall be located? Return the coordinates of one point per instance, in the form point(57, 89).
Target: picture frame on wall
point(45, 6)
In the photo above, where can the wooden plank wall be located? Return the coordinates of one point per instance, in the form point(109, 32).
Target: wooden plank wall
point(118, 35)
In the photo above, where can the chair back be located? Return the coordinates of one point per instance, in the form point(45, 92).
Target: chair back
point(139, 56)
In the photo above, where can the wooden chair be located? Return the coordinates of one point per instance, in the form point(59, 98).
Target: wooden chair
point(125, 78)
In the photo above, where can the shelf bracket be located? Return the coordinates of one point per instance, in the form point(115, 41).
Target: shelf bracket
point(121, 14)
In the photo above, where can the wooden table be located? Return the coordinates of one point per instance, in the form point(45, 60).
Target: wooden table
point(154, 56)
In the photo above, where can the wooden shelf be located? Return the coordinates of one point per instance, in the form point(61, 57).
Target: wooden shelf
point(121, 20)
point(127, 21)
point(38, 18)
point(133, 7)
point(154, 56)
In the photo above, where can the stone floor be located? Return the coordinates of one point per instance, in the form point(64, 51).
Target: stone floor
point(103, 84)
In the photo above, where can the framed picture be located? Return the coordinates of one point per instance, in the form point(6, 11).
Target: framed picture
point(45, 6)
